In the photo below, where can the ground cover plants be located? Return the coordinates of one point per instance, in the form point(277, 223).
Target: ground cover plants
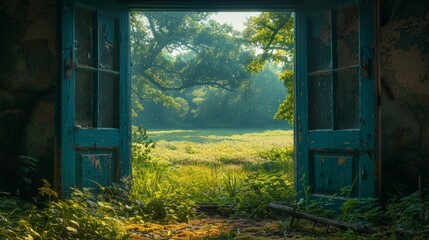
point(228, 168)
point(175, 172)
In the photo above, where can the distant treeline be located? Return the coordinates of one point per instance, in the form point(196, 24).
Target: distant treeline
point(250, 106)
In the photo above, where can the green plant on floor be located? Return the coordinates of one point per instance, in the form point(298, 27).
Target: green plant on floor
point(259, 189)
point(409, 213)
point(141, 146)
point(165, 200)
point(314, 206)
point(12, 210)
point(28, 166)
point(231, 185)
point(365, 211)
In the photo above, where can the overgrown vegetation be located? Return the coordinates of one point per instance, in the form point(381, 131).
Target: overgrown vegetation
point(166, 190)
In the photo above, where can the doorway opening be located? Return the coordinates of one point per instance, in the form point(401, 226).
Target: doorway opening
point(207, 86)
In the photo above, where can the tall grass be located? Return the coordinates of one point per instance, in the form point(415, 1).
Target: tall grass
point(243, 170)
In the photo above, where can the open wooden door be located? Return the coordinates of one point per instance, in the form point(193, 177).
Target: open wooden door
point(95, 88)
point(336, 98)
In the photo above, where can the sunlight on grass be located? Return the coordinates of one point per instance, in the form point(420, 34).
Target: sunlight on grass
point(225, 145)
point(242, 170)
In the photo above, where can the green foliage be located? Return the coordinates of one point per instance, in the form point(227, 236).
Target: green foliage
point(167, 190)
point(273, 32)
point(252, 105)
point(365, 211)
point(409, 213)
point(259, 189)
point(28, 166)
point(165, 199)
point(11, 212)
point(141, 145)
point(84, 216)
point(173, 51)
point(176, 55)
point(286, 108)
point(231, 179)
point(231, 185)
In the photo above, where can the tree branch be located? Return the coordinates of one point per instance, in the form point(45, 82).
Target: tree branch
point(184, 86)
point(276, 31)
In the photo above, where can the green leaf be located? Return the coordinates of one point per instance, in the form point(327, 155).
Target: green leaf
point(71, 229)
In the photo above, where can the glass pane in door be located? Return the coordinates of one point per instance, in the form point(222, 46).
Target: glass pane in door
point(347, 36)
point(108, 42)
point(348, 98)
point(84, 99)
point(320, 102)
point(319, 47)
point(108, 101)
point(84, 39)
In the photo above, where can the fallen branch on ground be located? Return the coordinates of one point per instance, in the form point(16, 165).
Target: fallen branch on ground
point(329, 222)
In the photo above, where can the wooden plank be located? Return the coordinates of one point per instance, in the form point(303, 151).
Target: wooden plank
point(66, 103)
point(124, 168)
point(302, 177)
point(368, 98)
point(97, 137)
point(339, 139)
point(212, 5)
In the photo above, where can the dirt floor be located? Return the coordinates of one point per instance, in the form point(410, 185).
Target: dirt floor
point(218, 228)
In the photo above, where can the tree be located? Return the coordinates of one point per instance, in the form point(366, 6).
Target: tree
point(173, 51)
point(272, 33)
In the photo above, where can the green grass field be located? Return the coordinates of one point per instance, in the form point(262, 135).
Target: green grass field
point(231, 167)
point(217, 145)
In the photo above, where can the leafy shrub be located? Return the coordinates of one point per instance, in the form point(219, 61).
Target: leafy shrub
point(409, 213)
point(259, 189)
point(141, 146)
point(165, 200)
point(365, 211)
point(12, 211)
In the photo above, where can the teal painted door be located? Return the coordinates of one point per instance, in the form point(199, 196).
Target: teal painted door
point(95, 88)
point(335, 98)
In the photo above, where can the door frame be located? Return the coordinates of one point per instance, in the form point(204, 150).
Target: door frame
point(65, 139)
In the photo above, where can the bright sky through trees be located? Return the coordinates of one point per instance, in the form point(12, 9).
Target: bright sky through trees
point(236, 19)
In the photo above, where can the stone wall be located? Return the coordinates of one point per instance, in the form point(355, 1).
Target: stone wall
point(405, 94)
point(28, 78)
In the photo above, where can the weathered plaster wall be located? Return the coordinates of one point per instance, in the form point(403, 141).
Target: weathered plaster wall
point(28, 75)
point(405, 94)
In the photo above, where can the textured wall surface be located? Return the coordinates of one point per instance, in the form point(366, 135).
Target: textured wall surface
point(405, 94)
point(28, 76)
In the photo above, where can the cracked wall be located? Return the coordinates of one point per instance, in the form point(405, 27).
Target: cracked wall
point(28, 76)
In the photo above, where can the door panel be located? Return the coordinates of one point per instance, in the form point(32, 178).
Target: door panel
point(96, 168)
point(335, 98)
point(95, 107)
point(333, 172)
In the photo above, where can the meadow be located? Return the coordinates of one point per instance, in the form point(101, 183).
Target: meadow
point(225, 167)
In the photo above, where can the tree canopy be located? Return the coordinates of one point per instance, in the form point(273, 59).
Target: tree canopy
point(173, 51)
point(273, 34)
point(191, 54)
